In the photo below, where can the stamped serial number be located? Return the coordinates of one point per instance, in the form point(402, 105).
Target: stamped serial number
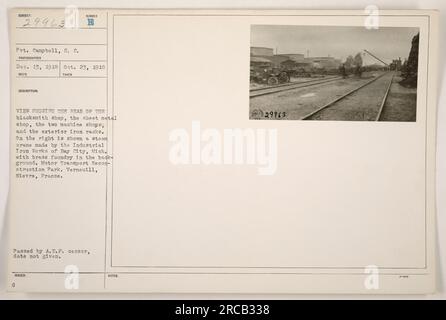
point(275, 115)
point(260, 114)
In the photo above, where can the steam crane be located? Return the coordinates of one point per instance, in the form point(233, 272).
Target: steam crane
point(372, 55)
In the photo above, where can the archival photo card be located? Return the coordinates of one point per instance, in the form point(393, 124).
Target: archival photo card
point(135, 166)
point(333, 73)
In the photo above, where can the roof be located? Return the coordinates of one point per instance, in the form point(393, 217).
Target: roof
point(322, 58)
point(292, 54)
point(259, 59)
point(261, 48)
point(289, 61)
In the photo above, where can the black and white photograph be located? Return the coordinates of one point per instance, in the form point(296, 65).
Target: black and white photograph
point(139, 160)
point(333, 73)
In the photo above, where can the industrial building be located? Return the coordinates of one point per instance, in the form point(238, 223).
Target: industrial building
point(298, 59)
point(262, 51)
point(324, 62)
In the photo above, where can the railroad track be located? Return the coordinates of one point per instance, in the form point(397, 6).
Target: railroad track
point(383, 102)
point(258, 92)
point(333, 102)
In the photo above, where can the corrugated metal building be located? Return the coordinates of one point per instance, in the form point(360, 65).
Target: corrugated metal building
point(261, 51)
point(298, 57)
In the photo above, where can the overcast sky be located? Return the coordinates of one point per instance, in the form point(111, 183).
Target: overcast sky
point(339, 42)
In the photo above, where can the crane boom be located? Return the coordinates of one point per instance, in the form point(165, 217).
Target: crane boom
point(375, 57)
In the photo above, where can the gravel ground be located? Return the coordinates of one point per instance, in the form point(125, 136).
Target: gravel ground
point(290, 86)
point(401, 104)
point(298, 102)
point(362, 105)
